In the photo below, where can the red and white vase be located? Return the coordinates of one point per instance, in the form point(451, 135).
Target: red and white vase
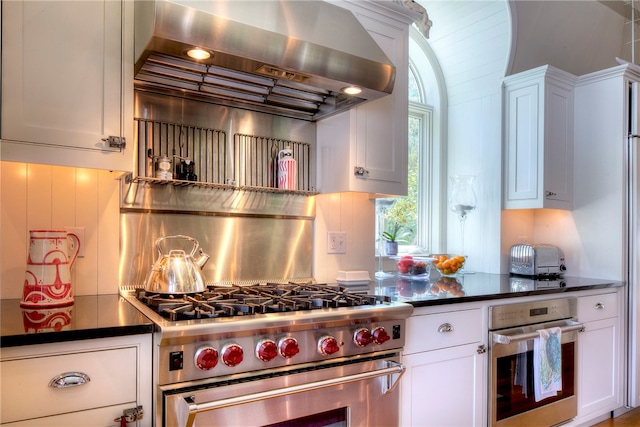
point(287, 170)
point(47, 280)
point(53, 319)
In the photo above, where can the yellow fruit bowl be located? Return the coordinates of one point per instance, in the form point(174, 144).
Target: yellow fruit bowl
point(448, 264)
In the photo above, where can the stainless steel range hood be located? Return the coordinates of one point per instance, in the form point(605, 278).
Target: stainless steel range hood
point(290, 58)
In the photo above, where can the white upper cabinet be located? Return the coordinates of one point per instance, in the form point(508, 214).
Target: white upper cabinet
point(365, 148)
point(67, 83)
point(538, 133)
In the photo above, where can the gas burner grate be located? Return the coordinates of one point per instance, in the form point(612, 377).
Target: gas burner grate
point(255, 299)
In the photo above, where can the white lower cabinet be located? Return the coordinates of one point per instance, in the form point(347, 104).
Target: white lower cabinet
point(77, 383)
point(446, 360)
point(599, 356)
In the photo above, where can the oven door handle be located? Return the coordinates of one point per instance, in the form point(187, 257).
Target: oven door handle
point(393, 371)
point(508, 339)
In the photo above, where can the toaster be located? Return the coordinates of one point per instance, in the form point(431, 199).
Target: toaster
point(536, 260)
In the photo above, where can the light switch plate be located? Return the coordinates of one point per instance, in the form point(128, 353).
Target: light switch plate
point(336, 242)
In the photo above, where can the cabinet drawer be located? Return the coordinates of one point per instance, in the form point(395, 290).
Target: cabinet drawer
point(597, 307)
point(101, 417)
point(441, 330)
point(25, 383)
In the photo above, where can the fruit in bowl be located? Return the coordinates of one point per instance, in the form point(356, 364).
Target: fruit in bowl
point(418, 267)
point(448, 265)
point(404, 264)
point(412, 266)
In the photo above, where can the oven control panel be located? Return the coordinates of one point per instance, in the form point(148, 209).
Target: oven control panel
point(206, 358)
point(510, 315)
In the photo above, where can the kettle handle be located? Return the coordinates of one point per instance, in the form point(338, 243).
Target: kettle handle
point(196, 244)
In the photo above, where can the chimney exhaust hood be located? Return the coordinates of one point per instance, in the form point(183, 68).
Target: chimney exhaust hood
point(291, 58)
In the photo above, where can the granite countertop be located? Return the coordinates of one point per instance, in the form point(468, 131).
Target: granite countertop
point(479, 287)
point(95, 316)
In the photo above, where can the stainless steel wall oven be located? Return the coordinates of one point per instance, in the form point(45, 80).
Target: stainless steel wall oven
point(513, 331)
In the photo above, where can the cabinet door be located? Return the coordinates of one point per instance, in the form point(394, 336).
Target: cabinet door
point(444, 388)
point(558, 147)
point(523, 149)
point(381, 126)
point(372, 136)
point(599, 356)
point(67, 82)
point(538, 122)
point(599, 368)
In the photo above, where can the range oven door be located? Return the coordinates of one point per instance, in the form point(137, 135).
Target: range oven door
point(512, 397)
point(358, 393)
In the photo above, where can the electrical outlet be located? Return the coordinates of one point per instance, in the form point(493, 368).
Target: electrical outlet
point(78, 231)
point(336, 242)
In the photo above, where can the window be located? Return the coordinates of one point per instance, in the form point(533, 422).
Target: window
point(417, 212)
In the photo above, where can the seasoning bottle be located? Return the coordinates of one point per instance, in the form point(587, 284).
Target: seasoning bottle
point(287, 170)
point(163, 167)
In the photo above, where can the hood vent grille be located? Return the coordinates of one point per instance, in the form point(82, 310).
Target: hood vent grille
point(260, 69)
point(270, 93)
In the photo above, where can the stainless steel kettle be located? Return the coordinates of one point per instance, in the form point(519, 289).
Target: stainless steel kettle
point(177, 272)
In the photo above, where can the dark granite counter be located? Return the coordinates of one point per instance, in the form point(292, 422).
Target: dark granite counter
point(479, 287)
point(98, 316)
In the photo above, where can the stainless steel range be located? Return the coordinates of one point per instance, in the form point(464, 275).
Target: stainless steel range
point(275, 354)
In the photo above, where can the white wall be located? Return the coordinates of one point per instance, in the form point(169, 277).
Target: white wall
point(471, 41)
point(53, 197)
point(354, 214)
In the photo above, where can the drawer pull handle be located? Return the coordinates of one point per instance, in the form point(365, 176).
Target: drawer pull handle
point(599, 306)
point(69, 379)
point(445, 327)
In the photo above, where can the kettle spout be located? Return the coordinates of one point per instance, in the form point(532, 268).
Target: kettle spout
point(202, 259)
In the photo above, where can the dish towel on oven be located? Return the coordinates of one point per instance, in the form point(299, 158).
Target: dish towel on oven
point(547, 363)
point(521, 375)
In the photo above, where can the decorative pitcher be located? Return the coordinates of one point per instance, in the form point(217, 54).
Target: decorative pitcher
point(287, 170)
point(47, 281)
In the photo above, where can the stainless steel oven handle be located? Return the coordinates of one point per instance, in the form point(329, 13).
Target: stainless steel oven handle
point(508, 339)
point(394, 371)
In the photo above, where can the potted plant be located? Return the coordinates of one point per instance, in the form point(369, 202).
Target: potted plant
point(394, 234)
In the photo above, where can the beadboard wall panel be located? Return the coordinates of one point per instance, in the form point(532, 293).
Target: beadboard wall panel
point(53, 197)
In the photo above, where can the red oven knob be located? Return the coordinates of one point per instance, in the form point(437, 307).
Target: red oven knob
point(327, 345)
point(288, 347)
point(232, 354)
point(380, 336)
point(206, 358)
point(266, 350)
point(362, 337)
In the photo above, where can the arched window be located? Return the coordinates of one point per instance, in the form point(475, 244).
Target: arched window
point(417, 212)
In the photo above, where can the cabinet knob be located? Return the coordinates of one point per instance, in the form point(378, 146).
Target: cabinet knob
point(550, 193)
point(599, 306)
point(445, 327)
point(481, 349)
point(360, 172)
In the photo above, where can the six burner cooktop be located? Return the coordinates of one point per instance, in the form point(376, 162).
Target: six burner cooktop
point(230, 301)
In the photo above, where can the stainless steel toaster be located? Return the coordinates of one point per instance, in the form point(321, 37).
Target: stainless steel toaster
point(536, 260)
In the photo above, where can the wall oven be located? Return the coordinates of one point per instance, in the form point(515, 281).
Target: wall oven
point(512, 356)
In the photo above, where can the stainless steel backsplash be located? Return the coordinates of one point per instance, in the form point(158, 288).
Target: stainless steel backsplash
point(250, 235)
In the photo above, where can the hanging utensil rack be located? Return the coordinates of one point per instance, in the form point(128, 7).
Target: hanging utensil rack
point(248, 164)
